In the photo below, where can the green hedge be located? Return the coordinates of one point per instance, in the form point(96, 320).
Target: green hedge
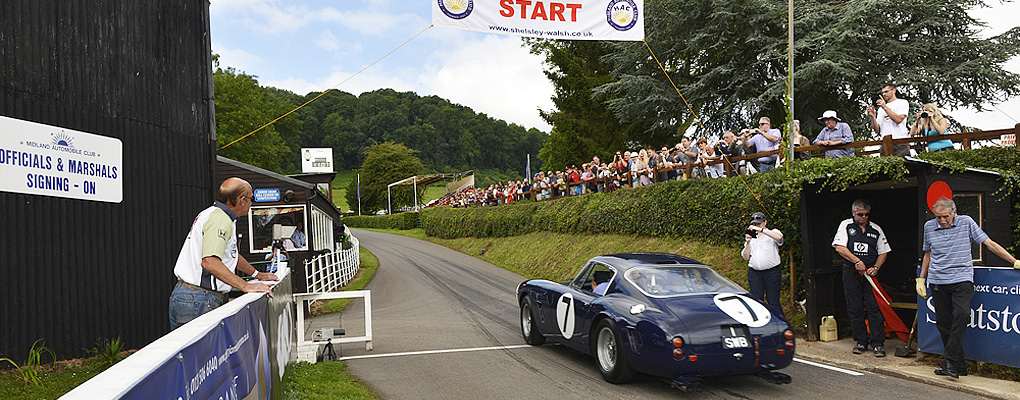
point(404, 220)
point(711, 210)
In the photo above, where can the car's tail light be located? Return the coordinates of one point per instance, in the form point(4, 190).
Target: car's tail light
point(789, 334)
point(789, 344)
point(781, 351)
point(693, 358)
point(678, 352)
point(678, 342)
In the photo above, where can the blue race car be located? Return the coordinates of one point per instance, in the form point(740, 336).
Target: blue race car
point(658, 314)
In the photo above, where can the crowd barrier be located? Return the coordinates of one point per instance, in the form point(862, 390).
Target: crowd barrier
point(240, 350)
point(331, 271)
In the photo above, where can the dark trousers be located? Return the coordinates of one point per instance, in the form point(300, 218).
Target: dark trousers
point(952, 314)
point(765, 285)
point(859, 297)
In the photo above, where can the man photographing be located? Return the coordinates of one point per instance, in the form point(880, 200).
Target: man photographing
point(891, 118)
point(761, 250)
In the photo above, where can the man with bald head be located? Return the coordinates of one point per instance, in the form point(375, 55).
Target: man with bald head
point(208, 260)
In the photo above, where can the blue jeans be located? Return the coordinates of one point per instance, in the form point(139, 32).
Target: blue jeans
point(764, 286)
point(187, 304)
point(766, 167)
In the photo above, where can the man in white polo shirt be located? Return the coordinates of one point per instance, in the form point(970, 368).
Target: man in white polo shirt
point(205, 267)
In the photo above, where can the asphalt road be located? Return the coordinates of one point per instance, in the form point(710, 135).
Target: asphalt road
point(445, 326)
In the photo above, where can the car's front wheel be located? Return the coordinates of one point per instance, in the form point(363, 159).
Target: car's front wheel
point(528, 328)
point(610, 354)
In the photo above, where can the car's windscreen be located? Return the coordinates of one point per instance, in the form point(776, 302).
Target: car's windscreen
point(676, 280)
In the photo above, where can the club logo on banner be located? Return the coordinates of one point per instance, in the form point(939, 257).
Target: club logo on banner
point(622, 14)
point(559, 19)
point(456, 9)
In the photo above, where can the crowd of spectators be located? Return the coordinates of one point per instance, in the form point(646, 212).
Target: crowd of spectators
point(647, 166)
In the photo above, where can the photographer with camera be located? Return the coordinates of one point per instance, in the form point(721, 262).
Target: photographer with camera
point(765, 139)
point(891, 117)
point(930, 122)
point(761, 250)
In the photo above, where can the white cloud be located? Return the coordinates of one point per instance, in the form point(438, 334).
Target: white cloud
point(494, 75)
point(327, 41)
point(238, 59)
point(267, 16)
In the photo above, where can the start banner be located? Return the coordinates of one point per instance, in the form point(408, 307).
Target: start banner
point(563, 19)
point(993, 334)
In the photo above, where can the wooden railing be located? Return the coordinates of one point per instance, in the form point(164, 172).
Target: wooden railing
point(566, 189)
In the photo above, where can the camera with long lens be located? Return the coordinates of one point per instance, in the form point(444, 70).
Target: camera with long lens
point(924, 114)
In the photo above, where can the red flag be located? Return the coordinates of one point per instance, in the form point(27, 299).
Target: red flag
point(892, 320)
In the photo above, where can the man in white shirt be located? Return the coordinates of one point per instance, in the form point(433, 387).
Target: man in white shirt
point(764, 273)
point(890, 119)
point(206, 266)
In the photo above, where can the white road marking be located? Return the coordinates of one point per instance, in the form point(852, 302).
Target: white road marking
point(837, 369)
point(417, 353)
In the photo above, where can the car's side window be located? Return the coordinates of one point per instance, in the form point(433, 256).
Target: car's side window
point(583, 278)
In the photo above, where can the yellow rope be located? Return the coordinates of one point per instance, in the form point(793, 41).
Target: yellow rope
point(328, 90)
point(703, 128)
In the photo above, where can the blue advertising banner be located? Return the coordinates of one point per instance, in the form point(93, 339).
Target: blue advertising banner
point(266, 195)
point(231, 362)
point(993, 334)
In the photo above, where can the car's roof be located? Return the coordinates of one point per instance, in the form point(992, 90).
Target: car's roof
point(629, 260)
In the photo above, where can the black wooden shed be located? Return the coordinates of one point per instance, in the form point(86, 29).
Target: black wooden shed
point(137, 72)
point(900, 207)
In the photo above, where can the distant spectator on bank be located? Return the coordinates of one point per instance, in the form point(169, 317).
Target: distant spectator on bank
point(604, 176)
point(709, 156)
point(698, 171)
point(642, 170)
point(890, 119)
point(620, 167)
point(835, 132)
point(930, 122)
point(729, 146)
point(665, 164)
point(765, 139)
point(574, 178)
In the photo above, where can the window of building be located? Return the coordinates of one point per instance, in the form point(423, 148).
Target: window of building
point(286, 224)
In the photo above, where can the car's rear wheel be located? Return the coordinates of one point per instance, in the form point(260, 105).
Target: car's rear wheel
point(528, 328)
point(610, 354)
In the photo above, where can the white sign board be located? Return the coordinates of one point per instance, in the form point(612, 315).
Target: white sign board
point(574, 20)
point(316, 160)
point(47, 160)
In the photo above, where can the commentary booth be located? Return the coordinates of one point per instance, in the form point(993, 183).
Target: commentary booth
point(282, 203)
point(900, 207)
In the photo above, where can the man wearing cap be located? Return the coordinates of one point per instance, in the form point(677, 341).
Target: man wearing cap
point(761, 250)
point(864, 248)
point(834, 133)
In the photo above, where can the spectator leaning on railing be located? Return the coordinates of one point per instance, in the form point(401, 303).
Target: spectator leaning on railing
point(834, 133)
point(765, 139)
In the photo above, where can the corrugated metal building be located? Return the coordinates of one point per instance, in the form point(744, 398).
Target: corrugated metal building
point(75, 271)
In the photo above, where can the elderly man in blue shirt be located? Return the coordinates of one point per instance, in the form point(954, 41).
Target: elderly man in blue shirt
point(949, 268)
point(765, 139)
point(834, 133)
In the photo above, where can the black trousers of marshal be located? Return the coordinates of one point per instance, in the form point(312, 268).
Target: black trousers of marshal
point(859, 297)
point(952, 314)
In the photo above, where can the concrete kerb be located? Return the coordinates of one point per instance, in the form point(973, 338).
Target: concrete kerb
point(838, 354)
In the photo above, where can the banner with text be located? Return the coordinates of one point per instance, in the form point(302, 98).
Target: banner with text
point(565, 19)
point(52, 161)
point(993, 334)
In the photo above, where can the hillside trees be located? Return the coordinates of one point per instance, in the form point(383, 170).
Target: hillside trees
point(384, 164)
point(241, 107)
point(728, 59)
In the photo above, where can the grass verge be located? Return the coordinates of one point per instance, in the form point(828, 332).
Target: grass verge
point(330, 380)
point(55, 381)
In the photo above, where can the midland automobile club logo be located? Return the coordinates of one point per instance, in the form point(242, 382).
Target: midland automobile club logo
point(456, 9)
point(622, 14)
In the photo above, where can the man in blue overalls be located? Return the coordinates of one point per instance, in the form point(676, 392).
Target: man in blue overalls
point(864, 248)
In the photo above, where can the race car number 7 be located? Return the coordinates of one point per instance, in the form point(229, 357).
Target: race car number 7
point(743, 309)
point(565, 315)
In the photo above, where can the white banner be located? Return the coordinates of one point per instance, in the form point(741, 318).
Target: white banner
point(564, 19)
point(48, 160)
point(315, 160)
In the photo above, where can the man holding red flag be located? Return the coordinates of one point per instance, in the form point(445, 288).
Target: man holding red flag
point(864, 248)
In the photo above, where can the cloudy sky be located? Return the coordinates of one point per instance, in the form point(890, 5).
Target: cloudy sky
point(313, 45)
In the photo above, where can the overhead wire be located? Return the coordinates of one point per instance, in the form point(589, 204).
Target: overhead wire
point(328, 90)
point(696, 118)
